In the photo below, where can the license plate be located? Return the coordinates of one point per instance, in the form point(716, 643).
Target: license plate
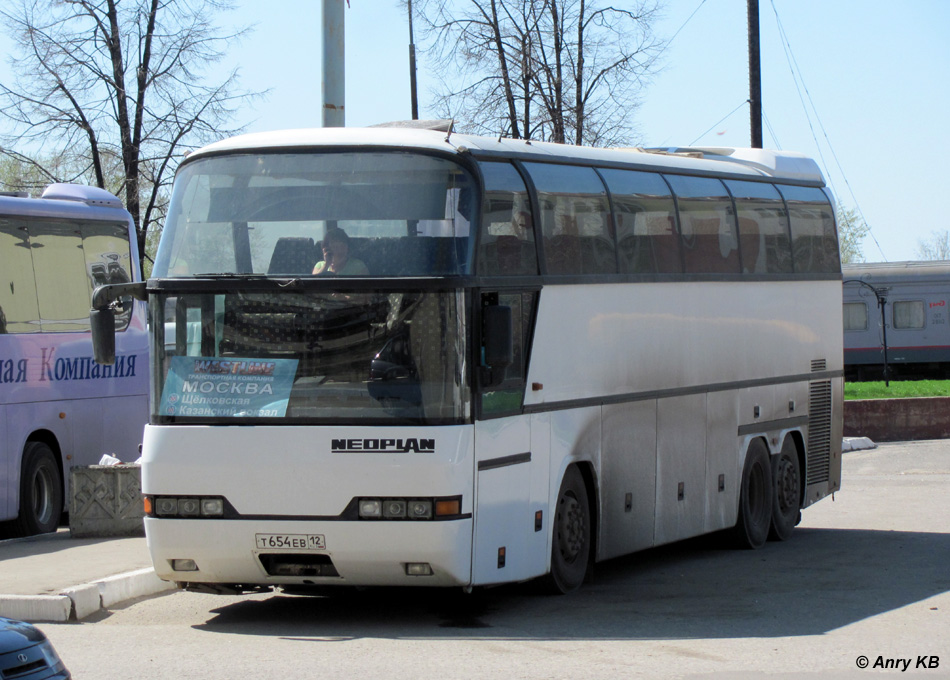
point(291, 542)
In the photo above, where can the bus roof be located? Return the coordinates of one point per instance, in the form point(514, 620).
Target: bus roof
point(67, 201)
point(742, 163)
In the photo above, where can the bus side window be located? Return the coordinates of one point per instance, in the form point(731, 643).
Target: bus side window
point(645, 221)
point(707, 225)
point(814, 240)
point(763, 228)
point(506, 241)
point(575, 220)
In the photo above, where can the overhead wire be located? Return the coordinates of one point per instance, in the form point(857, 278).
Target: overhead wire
point(669, 42)
point(799, 81)
point(719, 122)
point(768, 125)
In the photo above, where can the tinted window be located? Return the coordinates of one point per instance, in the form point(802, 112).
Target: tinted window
point(707, 225)
point(403, 214)
point(506, 242)
point(507, 395)
point(814, 241)
point(50, 268)
point(574, 220)
point(645, 221)
point(763, 228)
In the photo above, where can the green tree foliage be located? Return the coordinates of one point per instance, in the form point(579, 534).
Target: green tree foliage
point(852, 230)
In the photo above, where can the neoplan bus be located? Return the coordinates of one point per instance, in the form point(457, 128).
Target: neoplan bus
point(558, 355)
point(58, 407)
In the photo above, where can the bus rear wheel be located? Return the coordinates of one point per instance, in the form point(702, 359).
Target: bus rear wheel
point(755, 498)
point(571, 543)
point(41, 491)
point(786, 474)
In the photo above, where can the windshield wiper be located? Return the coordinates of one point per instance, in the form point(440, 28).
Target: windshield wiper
point(228, 275)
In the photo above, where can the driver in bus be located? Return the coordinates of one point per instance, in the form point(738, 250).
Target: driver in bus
point(336, 256)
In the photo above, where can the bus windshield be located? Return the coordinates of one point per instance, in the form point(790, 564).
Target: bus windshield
point(401, 214)
point(310, 357)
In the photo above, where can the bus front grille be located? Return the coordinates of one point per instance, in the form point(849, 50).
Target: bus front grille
point(295, 564)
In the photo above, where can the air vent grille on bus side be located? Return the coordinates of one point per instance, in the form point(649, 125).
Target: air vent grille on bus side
point(818, 365)
point(819, 432)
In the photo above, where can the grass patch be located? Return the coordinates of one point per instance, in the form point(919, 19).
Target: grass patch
point(905, 389)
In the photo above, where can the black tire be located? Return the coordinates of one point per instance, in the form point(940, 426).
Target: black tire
point(571, 542)
point(755, 498)
point(787, 494)
point(41, 491)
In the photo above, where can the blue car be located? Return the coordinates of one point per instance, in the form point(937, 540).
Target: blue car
point(26, 653)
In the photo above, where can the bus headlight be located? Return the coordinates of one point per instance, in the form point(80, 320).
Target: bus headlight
point(394, 508)
point(371, 508)
point(420, 509)
point(184, 507)
point(409, 508)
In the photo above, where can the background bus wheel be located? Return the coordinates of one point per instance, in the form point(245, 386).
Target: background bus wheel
point(755, 499)
point(786, 473)
point(41, 491)
point(570, 548)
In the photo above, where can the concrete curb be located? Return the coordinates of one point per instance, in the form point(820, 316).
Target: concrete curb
point(79, 602)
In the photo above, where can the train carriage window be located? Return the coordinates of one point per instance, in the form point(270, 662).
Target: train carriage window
point(506, 242)
point(763, 228)
point(814, 240)
point(574, 220)
point(855, 316)
point(645, 222)
point(707, 225)
point(908, 314)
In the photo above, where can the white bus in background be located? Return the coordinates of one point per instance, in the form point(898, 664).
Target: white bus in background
point(58, 407)
point(559, 355)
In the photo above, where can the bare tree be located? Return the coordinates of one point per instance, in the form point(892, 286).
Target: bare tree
point(557, 70)
point(937, 247)
point(852, 230)
point(105, 80)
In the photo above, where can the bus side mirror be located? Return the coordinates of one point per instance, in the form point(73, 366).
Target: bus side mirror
point(102, 317)
point(497, 342)
point(102, 322)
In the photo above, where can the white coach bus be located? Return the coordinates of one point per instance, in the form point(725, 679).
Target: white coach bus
point(514, 358)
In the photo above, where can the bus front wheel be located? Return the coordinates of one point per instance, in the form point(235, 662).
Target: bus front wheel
point(41, 491)
point(755, 498)
point(571, 542)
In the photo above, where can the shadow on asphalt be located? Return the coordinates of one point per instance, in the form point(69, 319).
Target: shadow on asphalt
point(818, 581)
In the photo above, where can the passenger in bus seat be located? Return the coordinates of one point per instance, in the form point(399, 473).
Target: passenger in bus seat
point(336, 256)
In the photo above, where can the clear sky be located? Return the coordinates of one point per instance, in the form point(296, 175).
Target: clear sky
point(877, 73)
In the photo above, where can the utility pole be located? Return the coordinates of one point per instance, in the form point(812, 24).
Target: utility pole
point(412, 69)
point(334, 65)
point(755, 76)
